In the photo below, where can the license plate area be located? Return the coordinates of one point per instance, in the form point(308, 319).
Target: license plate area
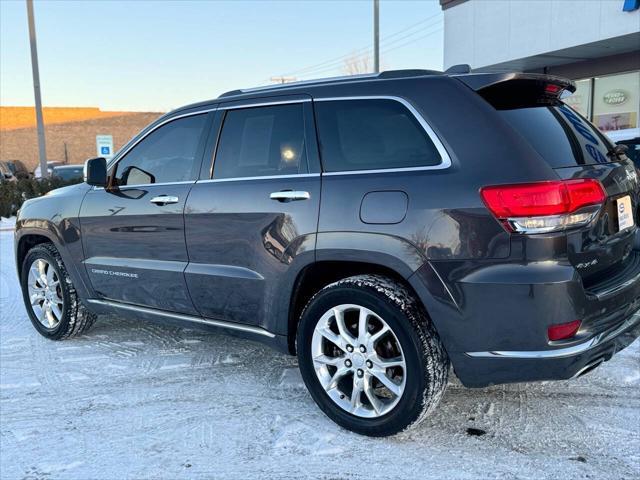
point(625, 213)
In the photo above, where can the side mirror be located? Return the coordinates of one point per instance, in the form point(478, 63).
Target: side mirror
point(95, 172)
point(136, 176)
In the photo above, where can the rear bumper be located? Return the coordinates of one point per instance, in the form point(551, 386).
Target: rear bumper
point(578, 349)
point(493, 319)
point(481, 369)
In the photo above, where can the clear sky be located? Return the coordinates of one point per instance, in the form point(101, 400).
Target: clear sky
point(158, 55)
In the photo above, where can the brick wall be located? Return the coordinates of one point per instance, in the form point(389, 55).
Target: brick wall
point(74, 127)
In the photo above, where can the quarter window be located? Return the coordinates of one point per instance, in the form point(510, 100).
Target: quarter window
point(370, 135)
point(261, 141)
point(166, 155)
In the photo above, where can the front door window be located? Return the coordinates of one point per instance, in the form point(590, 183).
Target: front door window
point(166, 155)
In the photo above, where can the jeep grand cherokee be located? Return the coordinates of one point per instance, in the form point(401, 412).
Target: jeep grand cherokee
point(380, 227)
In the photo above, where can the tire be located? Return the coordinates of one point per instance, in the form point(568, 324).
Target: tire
point(74, 318)
point(423, 377)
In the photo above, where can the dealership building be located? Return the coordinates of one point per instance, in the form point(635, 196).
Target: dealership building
point(596, 43)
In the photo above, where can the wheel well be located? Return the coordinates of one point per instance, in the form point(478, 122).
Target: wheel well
point(26, 243)
point(315, 277)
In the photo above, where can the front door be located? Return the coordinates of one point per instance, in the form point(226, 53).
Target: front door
point(252, 225)
point(133, 231)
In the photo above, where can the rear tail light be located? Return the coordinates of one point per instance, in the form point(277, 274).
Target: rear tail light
point(562, 331)
point(544, 206)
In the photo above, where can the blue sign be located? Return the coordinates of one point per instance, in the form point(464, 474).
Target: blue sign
point(630, 5)
point(104, 150)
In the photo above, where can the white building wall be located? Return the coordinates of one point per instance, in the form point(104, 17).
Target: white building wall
point(486, 32)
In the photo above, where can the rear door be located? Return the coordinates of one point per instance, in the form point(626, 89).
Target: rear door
point(133, 231)
point(251, 220)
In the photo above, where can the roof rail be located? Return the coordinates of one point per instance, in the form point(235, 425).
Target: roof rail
point(321, 81)
point(302, 82)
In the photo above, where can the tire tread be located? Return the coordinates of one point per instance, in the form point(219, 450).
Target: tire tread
point(80, 319)
point(433, 354)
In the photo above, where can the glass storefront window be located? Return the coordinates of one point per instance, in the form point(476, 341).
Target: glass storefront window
point(616, 101)
point(580, 100)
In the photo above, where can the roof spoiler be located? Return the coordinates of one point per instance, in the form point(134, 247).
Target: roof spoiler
point(518, 90)
point(460, 69)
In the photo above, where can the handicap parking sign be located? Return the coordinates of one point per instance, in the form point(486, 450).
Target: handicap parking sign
point(104, 146)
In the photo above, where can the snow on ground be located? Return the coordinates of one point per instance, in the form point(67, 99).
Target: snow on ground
point(138, 400)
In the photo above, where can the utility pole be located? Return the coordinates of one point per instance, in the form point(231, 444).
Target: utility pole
point(376, 36)
point(42, 149)
point(283, 79)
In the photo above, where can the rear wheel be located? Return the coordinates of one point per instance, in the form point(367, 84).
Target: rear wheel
point(49, 296)
point(370, 356)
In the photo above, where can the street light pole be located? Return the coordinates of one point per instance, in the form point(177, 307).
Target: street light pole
point(42, 150)
point(376, 36)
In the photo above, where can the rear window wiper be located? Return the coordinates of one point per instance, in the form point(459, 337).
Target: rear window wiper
point(617, 150)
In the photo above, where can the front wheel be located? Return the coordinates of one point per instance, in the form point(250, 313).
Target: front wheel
point(370, 357)
point(51, 301)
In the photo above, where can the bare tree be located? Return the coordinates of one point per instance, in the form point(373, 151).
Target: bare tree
point(357, 63)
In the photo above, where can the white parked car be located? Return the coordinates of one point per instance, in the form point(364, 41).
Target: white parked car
point(620, 135)
point(37, 173)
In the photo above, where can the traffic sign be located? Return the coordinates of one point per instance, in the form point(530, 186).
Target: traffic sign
point(104, 146)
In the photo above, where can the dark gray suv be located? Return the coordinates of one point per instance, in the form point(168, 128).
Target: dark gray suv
point(381, 227)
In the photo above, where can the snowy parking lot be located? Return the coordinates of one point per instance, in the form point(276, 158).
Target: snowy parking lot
point(137, 400)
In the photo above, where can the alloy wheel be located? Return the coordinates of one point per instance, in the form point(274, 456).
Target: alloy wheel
point(358, 360)
point(45, 293)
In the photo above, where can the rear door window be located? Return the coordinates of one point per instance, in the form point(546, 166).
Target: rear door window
point(560, 135)
point(371, 134)
point(261, 141)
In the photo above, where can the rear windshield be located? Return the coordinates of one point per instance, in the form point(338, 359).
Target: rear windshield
point(560, 135)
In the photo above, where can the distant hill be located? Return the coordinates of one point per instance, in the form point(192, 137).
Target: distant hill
point(12, 118)
point(70, 132)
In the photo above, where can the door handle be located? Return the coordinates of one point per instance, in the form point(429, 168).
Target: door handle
point(290, 195)
point(164, 200)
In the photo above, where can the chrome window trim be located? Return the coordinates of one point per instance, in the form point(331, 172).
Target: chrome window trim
point(119, 155)
point(445, 163)
point(444, 155)
point(183, 317)
point(264, 177)
point(126, 187)
point(248, 104)
point(384, 170)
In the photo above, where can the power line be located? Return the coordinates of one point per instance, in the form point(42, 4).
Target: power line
point(396, 47)
point(333, 65)
point(412, 41)
point(365, 50)
point(362, 50)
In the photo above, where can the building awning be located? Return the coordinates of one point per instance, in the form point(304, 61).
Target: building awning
point(604, 48)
